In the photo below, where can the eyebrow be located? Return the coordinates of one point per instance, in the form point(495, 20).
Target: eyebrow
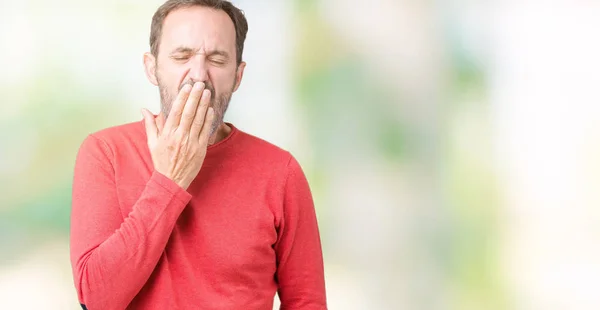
point(189, 50)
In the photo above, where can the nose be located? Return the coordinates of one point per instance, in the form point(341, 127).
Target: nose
point(198, 69)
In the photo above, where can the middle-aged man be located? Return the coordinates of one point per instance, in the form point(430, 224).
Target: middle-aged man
point(183, 210)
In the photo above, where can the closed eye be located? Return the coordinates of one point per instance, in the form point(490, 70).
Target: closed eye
point(180, 57)
point(218, 61)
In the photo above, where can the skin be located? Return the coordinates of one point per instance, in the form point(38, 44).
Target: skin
point(197, 47)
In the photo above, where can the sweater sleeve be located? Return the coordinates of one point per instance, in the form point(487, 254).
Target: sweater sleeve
point(112, 257)
point(300, 273)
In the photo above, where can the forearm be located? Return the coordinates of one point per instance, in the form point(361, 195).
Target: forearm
point(301, 280)
point(109, 275)
point(300, 272)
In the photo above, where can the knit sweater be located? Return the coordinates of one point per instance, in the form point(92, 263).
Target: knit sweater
point(245, 228)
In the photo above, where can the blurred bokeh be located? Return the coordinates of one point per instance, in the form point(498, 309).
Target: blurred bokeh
point(453, 147)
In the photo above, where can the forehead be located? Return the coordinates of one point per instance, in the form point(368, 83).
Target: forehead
point(198, 27)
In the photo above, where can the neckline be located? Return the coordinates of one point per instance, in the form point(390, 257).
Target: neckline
point(225, 140)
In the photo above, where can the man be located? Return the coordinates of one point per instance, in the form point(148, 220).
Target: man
point(183, 210)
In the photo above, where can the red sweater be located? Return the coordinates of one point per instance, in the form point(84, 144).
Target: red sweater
point(244, 229)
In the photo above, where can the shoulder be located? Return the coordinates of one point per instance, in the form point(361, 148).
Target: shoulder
point(116, 134)
point(266, 155)
point(260, 149)
point(112, 139)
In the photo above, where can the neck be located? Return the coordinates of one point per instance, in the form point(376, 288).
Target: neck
point(221, 133)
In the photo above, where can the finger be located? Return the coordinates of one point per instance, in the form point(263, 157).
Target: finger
point(205, 134)
point(189, 111)
point(177, 108)
point(150, 124)
point(200, 117)
point(160, 122)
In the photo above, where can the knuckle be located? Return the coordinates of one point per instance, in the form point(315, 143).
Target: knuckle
point(177, 135)
point(178, 112)
point(187, 115)
point(198, 122)
point(183, 140)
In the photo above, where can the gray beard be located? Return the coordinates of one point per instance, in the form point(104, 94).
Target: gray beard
point(218, 103)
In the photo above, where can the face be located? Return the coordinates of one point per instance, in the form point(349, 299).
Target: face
point(197, 45)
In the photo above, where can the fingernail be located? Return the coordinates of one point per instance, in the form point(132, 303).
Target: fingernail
point(198, 85)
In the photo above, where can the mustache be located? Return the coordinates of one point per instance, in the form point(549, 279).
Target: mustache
point(207, 85)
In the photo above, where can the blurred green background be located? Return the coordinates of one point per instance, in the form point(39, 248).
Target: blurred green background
point(452, 146)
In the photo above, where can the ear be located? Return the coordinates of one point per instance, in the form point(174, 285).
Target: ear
point(238, 75)
point(150, 68)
